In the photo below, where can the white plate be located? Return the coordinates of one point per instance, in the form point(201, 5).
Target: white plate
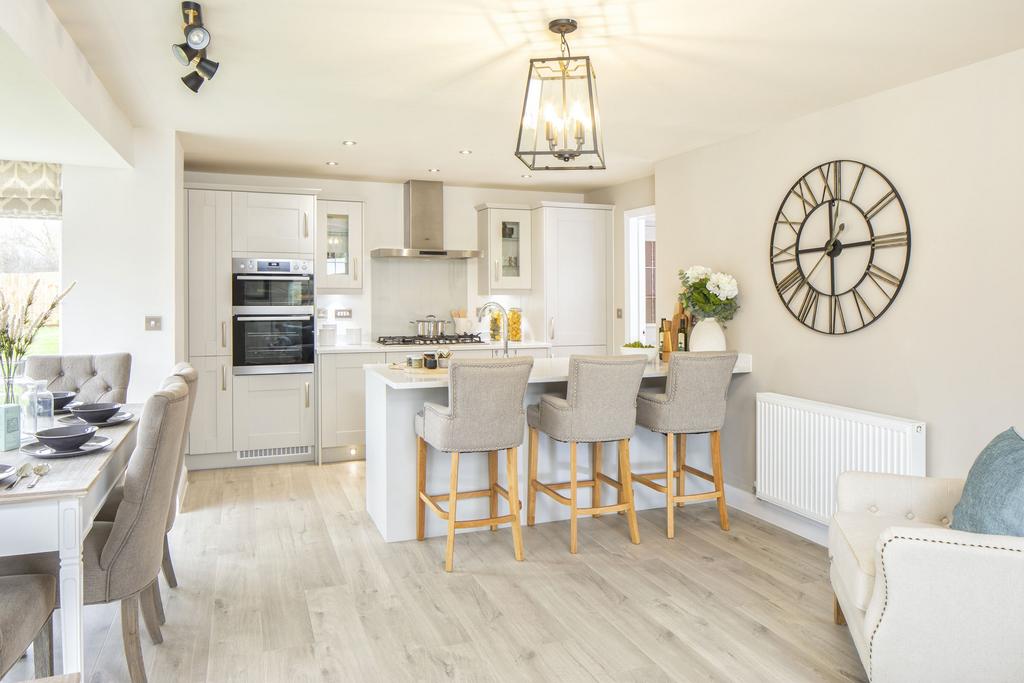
point(116, 419)
point(38, 450)
point(6, 471)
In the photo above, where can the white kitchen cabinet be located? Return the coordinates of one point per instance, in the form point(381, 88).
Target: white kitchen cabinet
point(209, 273)
point(339, 245)
point(573, 246)
point(505, 235)
point(272, 224)
point(343, 399)
point(273, 411)
point(566, 351)
point(210, 430)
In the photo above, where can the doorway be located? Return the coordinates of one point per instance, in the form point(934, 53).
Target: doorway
point(641, 256)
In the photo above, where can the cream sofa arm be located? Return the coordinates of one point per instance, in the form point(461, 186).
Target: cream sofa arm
point(927, 499)
point(946, 606)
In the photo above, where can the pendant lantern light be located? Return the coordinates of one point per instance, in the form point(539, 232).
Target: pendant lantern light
point(561, 128)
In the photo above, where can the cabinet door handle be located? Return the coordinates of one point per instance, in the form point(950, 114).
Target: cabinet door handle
point(307, 394)
point(497, 270)
point(305, 223)
point(223, 334)
point(223, 378)
point(551, 329)
point(355, 268)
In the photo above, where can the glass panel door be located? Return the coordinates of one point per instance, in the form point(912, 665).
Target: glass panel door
point(339, 260)
point(511, 240)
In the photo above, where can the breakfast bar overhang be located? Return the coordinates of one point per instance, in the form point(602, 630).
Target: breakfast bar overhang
point(393, 397)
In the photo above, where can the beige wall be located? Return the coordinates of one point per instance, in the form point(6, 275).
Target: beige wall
point(626, 196)
point(949, 350)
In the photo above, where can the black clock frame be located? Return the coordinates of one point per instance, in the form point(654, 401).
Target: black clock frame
point(779, 219)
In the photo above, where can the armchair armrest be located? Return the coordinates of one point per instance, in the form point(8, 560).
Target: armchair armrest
point(437, 410)
point(555, 402)
point(928, 499)
point(946, 606)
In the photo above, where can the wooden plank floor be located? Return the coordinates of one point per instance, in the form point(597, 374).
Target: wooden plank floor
point(283, 577)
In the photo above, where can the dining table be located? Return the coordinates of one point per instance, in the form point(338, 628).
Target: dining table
point(57, 514)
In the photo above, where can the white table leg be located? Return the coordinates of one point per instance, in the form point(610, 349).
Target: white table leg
point(72, 594)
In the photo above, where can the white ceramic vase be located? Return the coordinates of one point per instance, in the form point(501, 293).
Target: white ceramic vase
point(707, 335)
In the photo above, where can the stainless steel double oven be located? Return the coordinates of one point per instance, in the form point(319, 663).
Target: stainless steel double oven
point(274, 321)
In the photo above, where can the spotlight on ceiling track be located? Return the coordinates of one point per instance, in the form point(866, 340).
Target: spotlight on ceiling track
point(193, 51)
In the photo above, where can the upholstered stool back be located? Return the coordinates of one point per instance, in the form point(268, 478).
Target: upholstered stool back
point(101, 378)
point(694, 398)
point(600, 401)
point(485, 407)
point(186, 373)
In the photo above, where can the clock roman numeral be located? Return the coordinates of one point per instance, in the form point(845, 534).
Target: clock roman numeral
point(807, 205)
point(880, 204)
point(809, 305)
point(856, 183)
point(780, 255)
point(880, 276)
point(893, 239)
point(862, 307)
point(835, 315)
point(827, 180)
point(795, 281)
point(793, 225)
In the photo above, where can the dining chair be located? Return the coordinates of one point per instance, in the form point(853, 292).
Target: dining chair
point(693, 402)
point(99, 378)
point(599, 406)
point(484, 414)
point(186, 373)
point(26, 618)
point(122, 558)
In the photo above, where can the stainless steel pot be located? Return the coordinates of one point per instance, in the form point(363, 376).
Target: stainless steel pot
point(430, 326)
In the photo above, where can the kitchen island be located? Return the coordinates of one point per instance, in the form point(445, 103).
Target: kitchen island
point(393, 398)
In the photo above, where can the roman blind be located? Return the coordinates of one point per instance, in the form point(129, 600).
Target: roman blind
point(29, 189)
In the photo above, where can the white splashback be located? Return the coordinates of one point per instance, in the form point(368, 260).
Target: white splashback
point(407, 289)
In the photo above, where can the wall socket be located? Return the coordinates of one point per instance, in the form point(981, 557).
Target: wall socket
point(342, 313)
point(154, 323)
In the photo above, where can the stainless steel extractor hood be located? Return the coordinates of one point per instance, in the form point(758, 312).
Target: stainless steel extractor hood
point(424, 225)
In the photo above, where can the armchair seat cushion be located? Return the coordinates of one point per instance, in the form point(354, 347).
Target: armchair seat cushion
point(853, 537)
point(26, 602)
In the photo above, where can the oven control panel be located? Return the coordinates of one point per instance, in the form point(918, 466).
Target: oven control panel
point(261, 266)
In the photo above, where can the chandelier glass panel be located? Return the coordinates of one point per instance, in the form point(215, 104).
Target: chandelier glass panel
point(561, 127)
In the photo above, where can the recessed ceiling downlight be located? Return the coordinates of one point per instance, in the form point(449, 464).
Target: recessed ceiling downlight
point(465, 152)
point(433, 170)
point(349, 143)
point(331, 163)
point(526, 175)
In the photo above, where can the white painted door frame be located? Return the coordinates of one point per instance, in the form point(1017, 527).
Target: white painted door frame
point(633, 229)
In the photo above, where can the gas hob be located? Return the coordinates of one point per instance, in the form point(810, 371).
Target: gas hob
point(445, 339)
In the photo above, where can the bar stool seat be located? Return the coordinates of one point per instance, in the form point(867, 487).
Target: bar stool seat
point(484, 415)
point(693, 402)
point(599, 406)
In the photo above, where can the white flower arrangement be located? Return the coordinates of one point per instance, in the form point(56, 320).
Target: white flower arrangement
point(708, 294)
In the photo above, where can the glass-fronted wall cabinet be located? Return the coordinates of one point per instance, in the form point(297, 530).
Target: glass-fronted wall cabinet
point(339, 245)
point(505, 237)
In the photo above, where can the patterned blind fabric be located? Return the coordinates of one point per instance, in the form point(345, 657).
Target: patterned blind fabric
point(29, 190)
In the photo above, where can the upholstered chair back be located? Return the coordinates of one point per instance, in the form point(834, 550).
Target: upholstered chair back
point(132, 553)
point(101, 378)
point(187, 374)
point(695, 394)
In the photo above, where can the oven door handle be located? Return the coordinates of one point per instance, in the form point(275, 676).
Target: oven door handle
point(275, 278)
point(270, 318)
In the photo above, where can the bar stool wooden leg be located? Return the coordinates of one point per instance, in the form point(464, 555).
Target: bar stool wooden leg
point(573, 519)
point(596, 449)
point(492, 471)
point(421, 486)
point(670, 505)
point(681, 469)
point(618, 494)
point(513, 500)
point(627, 486)
point(716, 468)
point(453, 488)
point(531, 475)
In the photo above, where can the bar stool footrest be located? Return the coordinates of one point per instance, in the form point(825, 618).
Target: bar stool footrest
point(698, 473)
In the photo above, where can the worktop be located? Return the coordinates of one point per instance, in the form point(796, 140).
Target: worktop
point(374, 347)
point(393, 397)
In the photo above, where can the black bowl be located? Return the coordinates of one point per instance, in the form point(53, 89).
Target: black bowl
point(66, 438)
point(95, 413)
point(61, 399)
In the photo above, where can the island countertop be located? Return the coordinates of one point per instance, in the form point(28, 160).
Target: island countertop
point(544, 370)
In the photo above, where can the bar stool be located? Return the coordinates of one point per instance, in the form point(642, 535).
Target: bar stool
point(693, 403)
point(484, 415)
point(600, 405)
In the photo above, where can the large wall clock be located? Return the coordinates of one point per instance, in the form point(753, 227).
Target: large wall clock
point(840, 247)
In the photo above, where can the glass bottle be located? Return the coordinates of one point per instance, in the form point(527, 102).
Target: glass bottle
point(44, 406)
point(36, 407)
point(515, 325)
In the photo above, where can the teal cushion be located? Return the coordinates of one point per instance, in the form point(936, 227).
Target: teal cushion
point(993, 498)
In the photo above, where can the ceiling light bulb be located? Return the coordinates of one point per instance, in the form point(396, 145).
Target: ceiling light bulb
point(193, 81)
point(331, 163)
point(526, 175)
point(433, 170)
point(197, 37)
point(183, 53)
point(465, 152)
point(349, 143)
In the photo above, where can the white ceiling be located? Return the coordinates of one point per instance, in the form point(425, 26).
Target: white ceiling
point(414, 81)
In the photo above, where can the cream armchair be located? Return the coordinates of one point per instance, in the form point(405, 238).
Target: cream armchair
point(924, 602)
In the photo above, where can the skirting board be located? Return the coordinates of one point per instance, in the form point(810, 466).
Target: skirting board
point(801, 526)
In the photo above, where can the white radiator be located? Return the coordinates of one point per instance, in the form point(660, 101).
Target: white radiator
point(803, 446)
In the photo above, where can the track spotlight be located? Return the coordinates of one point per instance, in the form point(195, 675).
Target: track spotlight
point(183, 53)
point(193, 81)
point(207, 68)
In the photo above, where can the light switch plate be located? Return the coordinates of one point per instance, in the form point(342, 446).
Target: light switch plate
point(342, 313)
point(618, 313)
point(154, 323)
